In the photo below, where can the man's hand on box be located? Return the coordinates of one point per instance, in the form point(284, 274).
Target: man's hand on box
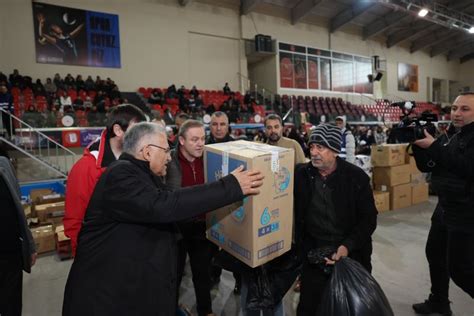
point(425, 142)
point(249, 180)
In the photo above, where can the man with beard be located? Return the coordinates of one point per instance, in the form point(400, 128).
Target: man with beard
point(334, 207)
point(274, 132)
point(187, 169)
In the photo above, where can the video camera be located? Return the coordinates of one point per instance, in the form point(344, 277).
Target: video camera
point(411, 127)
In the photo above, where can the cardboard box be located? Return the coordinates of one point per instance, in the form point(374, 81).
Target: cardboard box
point(419, 193)
point(44, 238)
point(50, 212)
point(400, 196)
point(63, 243)
point(36, 193)
point(382, 201)
point(392, 176)
point(412, 163)
point(388, 155)
point(418, 178)
point(258, 229)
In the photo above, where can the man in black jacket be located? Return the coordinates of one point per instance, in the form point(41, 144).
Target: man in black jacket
point(126, 257)
point(334, 207)
point(451, 163)
point(17, 247)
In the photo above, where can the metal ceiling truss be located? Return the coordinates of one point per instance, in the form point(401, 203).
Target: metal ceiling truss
point(349, 14)
point(302, 9)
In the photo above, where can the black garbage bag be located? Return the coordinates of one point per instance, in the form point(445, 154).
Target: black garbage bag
point(352, 291)
point(259, 294)
point(318, 257)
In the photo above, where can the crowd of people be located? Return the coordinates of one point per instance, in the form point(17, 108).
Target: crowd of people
point(136, 200)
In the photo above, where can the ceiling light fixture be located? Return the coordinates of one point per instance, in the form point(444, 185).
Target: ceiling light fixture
point(423, 12)
point(471, 30)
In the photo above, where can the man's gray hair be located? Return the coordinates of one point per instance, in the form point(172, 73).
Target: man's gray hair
point(219, 114)
point(140, 135)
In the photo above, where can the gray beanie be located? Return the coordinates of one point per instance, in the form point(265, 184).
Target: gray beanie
point(328, 135)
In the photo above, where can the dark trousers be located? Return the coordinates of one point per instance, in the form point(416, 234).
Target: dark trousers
point(216, 270)
point(7, 124)
point(195, 244)
point(313, 284)
point(11, 280)
point(437, 256)
point(461, 259)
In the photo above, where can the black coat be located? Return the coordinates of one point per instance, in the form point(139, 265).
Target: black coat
point(353, 202)
point(126, 256)
point(451, 160)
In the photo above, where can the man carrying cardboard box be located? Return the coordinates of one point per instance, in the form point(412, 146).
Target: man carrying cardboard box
point(127, 255)
point(334, 207)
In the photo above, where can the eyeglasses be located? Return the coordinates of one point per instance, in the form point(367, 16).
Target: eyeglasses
point(167, 150)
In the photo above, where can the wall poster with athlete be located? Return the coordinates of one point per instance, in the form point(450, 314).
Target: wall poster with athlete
point(71, 36)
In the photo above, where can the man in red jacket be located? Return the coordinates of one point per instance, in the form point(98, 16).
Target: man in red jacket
point(87, 170)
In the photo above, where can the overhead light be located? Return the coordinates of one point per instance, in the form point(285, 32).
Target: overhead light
point(423, 12)
point(471, 30)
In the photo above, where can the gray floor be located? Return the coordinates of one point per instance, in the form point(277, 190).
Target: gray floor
point(399, 266)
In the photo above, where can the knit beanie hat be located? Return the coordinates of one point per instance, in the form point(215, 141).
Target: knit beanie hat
point(328, 135)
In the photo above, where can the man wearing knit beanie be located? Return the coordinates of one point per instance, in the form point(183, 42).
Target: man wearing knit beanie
point(334, 207)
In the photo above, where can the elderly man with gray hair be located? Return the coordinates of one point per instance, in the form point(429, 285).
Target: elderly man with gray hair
point(127, 249)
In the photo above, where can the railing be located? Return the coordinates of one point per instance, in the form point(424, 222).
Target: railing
point(36, 145)
point(260, 93)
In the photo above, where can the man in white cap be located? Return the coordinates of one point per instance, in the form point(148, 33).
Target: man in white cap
point(347, 140)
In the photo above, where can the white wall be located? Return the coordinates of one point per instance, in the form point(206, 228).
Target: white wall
point(264, 74)
point(158, 39)
point(163, 43)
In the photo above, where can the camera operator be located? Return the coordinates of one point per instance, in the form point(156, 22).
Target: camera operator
point(450, 159)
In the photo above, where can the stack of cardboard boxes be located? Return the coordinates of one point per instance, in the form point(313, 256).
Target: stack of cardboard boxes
point(46, 215)
point(397, 181)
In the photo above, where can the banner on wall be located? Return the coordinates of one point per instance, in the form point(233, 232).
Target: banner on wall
point(71, 36)
point(407, 77)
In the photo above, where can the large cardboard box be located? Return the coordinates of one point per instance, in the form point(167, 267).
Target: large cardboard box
point(388, 155)
point(410, 160)
point(382, 201)
point(419, 193)
point(51, 212)
point(44, 238)
point(391, 176)
point(400, 196)
point(258, 229)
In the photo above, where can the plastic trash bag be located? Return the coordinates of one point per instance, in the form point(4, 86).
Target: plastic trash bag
point(352, 291)
point(259, 296)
